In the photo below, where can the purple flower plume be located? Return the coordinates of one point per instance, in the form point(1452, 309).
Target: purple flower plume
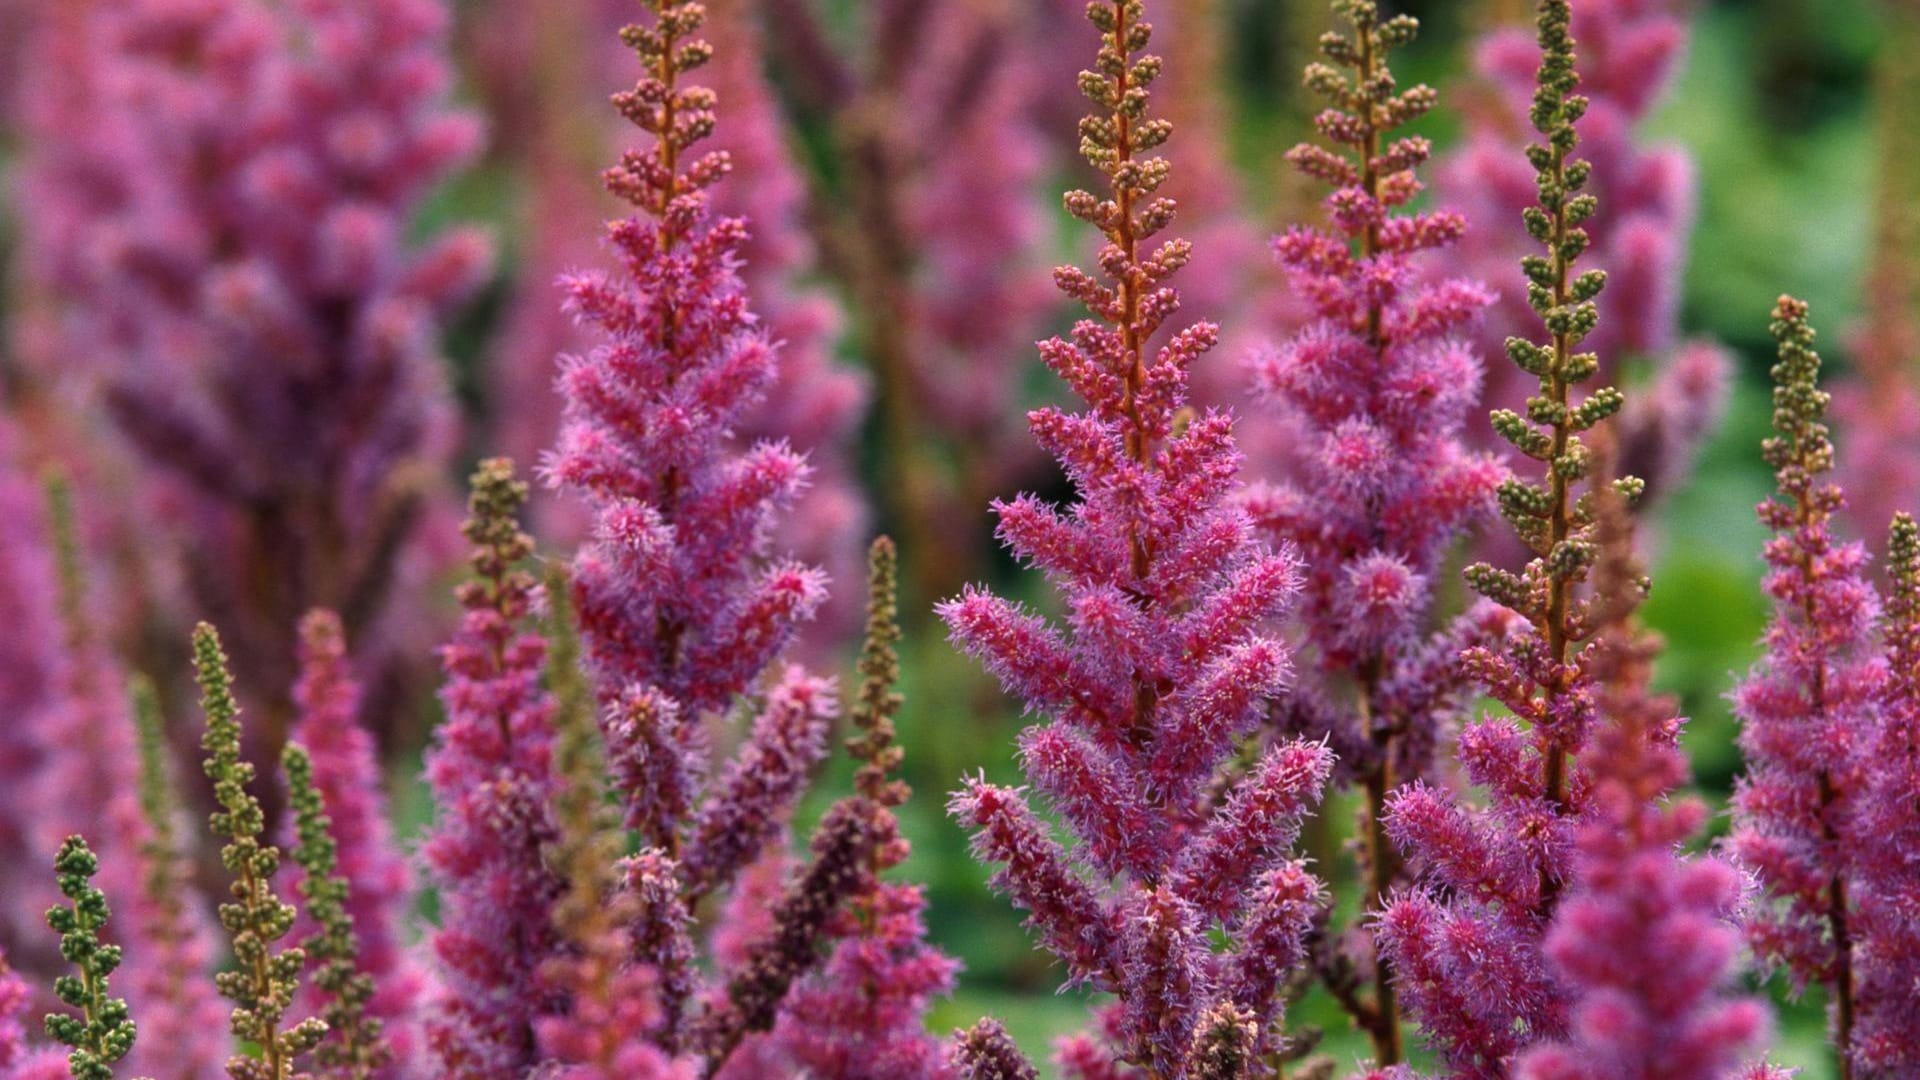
point(1159, 666)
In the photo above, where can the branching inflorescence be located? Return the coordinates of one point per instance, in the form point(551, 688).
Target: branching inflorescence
point(1810, 714)
point(1163, 665)
point(103, 1033)
point(1466, 945)
point(265, 979)
point(1379, 386)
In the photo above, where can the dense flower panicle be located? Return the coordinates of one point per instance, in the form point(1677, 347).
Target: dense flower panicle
point(1809, 708)
point(266, 976)
point(1377, 385)
point(862, 1014)
point(221, 196)
point(1466, 945)
point(676, 592)
point(986, 1052)
point(491, 771)
point(101, 1034)
point(14, 999)
point(355, 1047)
point(29, 656)
point(170, 983)
point(1162, 665)
point(346, 774)
point(1888, 1036)
point(1646, 936)
point(1629, 53)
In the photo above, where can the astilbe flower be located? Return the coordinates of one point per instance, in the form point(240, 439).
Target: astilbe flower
point(265, 979)
point(355, 1047)
point(170, 978)
point(1887, 1037)
point(1646, 936)
point(102, 1033)
point(1878, 405)
point(1377, 385)
point(986, 1052)
point(613, 1005)
point(346, 776)
point(1809, 709)
point(1465, 946)
point(492, 774)
point(862, 1014)
point(222, 192)
point(1630, 50)
point(1163, 666)
point(936, 253)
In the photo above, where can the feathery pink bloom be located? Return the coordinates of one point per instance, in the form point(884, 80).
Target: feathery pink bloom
point(1809, 709)
point(14, 1001)
point(492, 773)
point(1160, 664)
point(346, 773)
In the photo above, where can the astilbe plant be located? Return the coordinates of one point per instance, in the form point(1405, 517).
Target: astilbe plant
point(345, 775)
point(1629, 53)
point(1887, 1036)
point(1809, 710)
point(1163, 665)
point(102, 1033)
point(862, 1014)
point(221, 197)
point(1466, 944)
point(1646, 937)
point(1378, 386)
point(492, 773)
point(355, 1047)
point(266, 976)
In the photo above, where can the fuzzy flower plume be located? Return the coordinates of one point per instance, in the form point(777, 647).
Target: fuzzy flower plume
point(265, 979)
point(1630, 50)
point(221, 219)
point(346, 776)
point(986, 1052)
point(1162, 667)
point(1378, 385)
point(862, 1016)
point(1809, 709)
point(1646, 936)
point(1888, 1036)
point(1466, 944)
point(491, 771)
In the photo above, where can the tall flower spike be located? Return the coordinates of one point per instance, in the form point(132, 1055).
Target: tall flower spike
point(492, 774)
point(676, 592)
point(354, 1047)
point(346, 777)
point(1631, 51)
point(1466, 945)
point(1809, 708)
point(1163, 665)
point(862, 1016)
point(263, 986)
point(1646, 937)
point(613, 1007)
point(102, 1034)
point(1887, 1036)
point(1378, 385)
point(184, 1023)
